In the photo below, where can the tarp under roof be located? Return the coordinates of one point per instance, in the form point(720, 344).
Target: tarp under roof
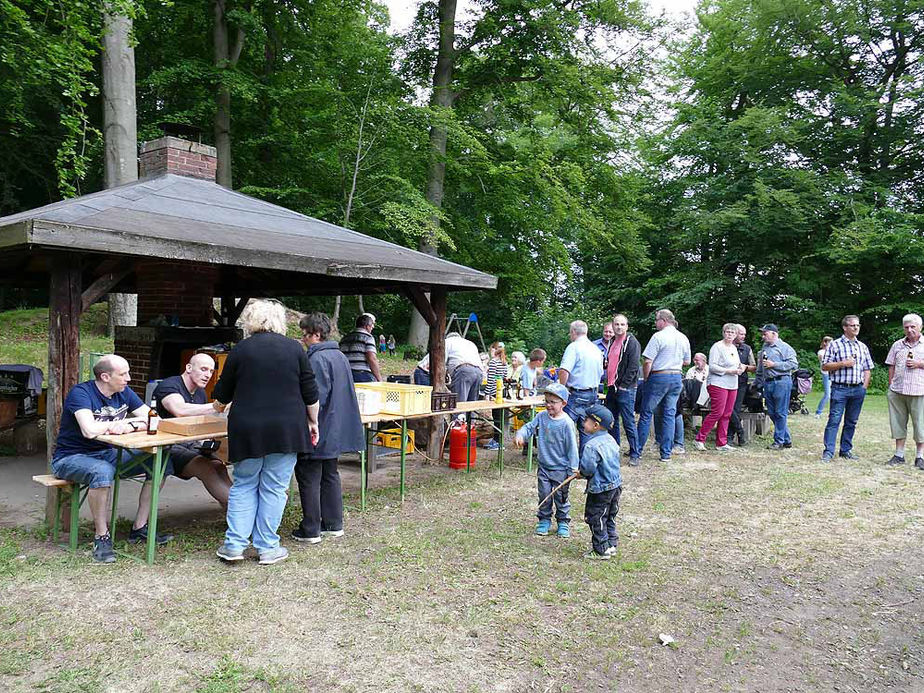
point(180, 218)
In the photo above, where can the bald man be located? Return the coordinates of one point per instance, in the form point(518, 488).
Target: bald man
point(102, 406)
point(184, 395)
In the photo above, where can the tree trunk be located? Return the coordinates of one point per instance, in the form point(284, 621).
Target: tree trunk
point(120, 133)
point(362, 308)
point(441, 103)
point(437, 367)
point(226, 57)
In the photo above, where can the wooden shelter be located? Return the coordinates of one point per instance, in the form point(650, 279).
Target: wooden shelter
point(178, 240)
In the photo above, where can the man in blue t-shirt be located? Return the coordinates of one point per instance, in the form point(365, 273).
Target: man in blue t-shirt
point(184, 395)
point(102, 406)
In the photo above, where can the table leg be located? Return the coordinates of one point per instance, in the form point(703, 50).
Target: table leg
point(75, 515)
point(362, 478)
point(158, 474)
point(403, 454)
point(115, 495)
point(529, 443)
point(468, 441)
point(500, 450)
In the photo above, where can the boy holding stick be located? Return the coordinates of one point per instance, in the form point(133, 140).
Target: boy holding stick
point(600, 466)
point(558, 457)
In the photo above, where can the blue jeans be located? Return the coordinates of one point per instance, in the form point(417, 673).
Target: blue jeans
point(678, 427)
point(363, 377)
point(547, 480)
point(578, 402)
point(846, 402)
point(776, 396)
point(621, 404)
point(256, 501)
point(97, 469)
point(826, 384)
point(660, 387)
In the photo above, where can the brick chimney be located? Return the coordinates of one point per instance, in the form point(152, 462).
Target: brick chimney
point(174, 155)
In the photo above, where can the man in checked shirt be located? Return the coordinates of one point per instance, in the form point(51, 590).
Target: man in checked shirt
point(848, 362)
point(906, 389)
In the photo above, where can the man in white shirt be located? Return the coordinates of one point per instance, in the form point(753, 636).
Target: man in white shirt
point(463, 364)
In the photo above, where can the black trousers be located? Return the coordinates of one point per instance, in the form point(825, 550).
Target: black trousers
point(735, 427)
point(321, 495)
point(600, 510)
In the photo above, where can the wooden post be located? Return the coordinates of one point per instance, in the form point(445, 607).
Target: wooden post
point(64, 306)
point(437, 364)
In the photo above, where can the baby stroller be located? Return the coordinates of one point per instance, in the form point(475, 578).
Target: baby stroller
point(801, 386)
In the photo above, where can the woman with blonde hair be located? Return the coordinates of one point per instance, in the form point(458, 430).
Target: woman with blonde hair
point(825, 377)
point(274, 417)
point(497, 370)
point(722, 383)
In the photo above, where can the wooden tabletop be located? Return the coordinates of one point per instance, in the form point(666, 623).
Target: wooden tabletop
point(461, 408)
point(142, 441)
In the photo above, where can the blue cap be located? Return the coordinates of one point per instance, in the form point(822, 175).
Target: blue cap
point(601, 415)
point(770, 327)
point(558, 390)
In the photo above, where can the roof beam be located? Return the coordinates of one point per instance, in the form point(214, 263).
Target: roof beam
point(421, 303)
point(104, 284)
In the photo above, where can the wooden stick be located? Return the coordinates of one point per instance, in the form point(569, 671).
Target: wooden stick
point(558, 488)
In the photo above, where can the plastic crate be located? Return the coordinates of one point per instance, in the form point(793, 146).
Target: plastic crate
point(391, 438)
point(400, 399)
point(442, 401)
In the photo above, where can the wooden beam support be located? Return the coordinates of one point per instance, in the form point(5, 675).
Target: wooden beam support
point(234, 311)
point(422, 304)
point(437, 365)
point(104, 284)
point(64, 307)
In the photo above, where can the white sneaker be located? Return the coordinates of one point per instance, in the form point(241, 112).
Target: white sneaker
point(678, 450)
point(331, 532)
point(726, 448)
point(699, 446)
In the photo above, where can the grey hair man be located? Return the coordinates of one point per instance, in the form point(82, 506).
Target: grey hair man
point(581, 371)
point(906, 389)
point(360, 349)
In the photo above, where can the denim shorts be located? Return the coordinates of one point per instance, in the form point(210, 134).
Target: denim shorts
point(97, 469)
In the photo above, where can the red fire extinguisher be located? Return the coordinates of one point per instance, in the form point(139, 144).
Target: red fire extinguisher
point(458, 432)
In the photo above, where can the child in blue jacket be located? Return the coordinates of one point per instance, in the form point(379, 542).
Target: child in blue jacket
point(558, 458)
point(600, 466)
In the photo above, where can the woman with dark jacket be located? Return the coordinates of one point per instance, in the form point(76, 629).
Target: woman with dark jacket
point(274, 417)
point(341, 431)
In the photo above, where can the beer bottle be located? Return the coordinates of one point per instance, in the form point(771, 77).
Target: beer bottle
point(153, 418)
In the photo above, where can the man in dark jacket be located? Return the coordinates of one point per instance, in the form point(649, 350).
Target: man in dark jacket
point(622, 370)
point(341, 431)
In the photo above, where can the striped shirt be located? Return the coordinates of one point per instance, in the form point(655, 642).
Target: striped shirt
point(497, 370)
point(906, 381)
point(842, 349)
point(355, 346)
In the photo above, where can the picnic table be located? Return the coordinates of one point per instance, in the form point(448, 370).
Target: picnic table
point(469, 409)
point(157, 446)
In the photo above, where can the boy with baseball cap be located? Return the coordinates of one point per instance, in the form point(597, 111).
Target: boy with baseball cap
point(558, 458)
point(600, 466)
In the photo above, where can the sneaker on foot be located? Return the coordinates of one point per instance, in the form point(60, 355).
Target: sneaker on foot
point(726, 448)
point(775, 446)
point(850, 455)
point(493, 445)
point(699, 446)
point(271, 556)
point(827, 458)
point(919, 463)
point(665, 459)
point(300, 535)
point(787, 445)
point(542, 528)
point(226, 554)
point(611, 551)
point(332, 533)
point(140, 535)
point(679, 450)
point(102, 549)
point(895, 460)
point(564, 530)
point(635, 461)
point(593, 555)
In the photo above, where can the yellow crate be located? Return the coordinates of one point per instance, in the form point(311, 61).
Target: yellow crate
point(400, 398)
point(391, 438)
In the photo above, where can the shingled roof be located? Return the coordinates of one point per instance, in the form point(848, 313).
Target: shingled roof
point(180, 218)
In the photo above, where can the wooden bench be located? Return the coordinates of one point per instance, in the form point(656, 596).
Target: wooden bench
point(77, 495)
point(754, 424)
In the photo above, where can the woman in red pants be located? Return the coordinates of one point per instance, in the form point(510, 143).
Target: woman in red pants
point(722, 384)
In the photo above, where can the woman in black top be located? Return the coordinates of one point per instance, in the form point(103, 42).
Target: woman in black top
point(274, 417)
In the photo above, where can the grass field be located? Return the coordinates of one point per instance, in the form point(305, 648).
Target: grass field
point(772, 572)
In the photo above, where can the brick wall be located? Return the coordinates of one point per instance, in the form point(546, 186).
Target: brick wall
point(180, 289)
point(175, 155)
